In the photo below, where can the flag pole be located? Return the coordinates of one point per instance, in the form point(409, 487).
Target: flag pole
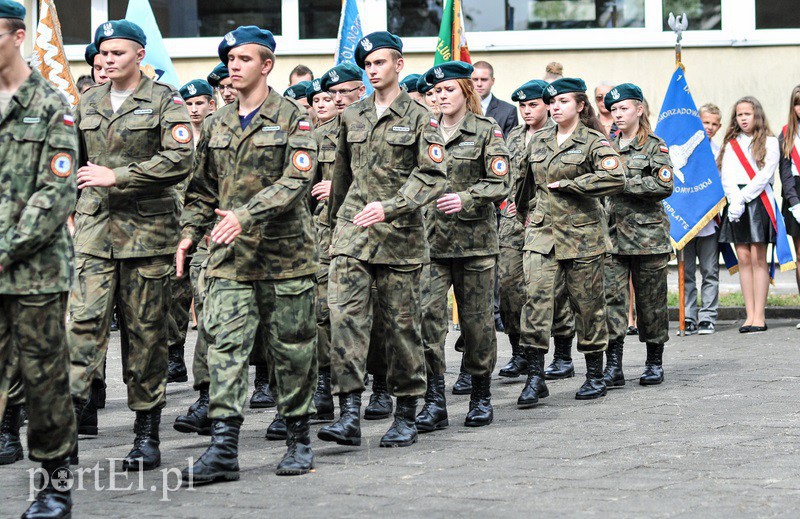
point(678, 25)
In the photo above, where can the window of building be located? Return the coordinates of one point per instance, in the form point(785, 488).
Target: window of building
point(76, 25)
point(703, 15)
point(203, 18)
point(777, 14)
point(319, 18)
point(410, 18)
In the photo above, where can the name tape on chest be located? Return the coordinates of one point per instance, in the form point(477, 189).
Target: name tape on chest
point(302, 160)
point(61, 165)
point(574, 152)
point(181, 133)
point(609, 163)
point(402, 129)
point(436, 153)
point(467, 143)
point(31, 120)
point(499, 166)
point(271, 128)
point(143, 111)
point(638, 157)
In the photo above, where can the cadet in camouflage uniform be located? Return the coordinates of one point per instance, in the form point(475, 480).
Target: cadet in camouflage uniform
point(135, 147)
point(639, 232)
point(389, 163)
point(462, 233)
point(254, 163)
point(570, 166)
point(38, 150)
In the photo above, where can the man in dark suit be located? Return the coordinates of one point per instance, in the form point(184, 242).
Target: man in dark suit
point(504, 113)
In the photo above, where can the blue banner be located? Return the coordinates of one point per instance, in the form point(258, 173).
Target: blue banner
point(156, 63)
point(350, 34)
point(698, 195)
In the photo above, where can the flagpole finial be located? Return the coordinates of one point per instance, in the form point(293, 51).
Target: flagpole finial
point(678, 24)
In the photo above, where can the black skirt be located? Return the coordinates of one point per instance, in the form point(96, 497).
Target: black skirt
point(753, 227)
point(792, 227)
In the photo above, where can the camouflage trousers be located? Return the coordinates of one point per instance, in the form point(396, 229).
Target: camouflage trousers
point(285, 311)
point(323, 317)
point(352, 304)
point(649, 275)
point(140, 287)
point(512, 296)
point(180, 311)
point(34, 355)
point(197, 274)
point(472, 279)
point(577, 281)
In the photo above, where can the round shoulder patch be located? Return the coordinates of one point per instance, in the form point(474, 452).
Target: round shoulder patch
point(302, 160)
point(436, 153)
point(499, 166)
point(665, 174)
point(61, 165)
point(181, 133)
point(609, 163)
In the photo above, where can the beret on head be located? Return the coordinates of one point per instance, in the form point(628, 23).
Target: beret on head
point(341, 73)
point(297, 91)
point(219, 73)
point(621, 93)
point(243, 36)
point(374, 41)
point(12, 9)
point(533, 89)
point(119, 29)
point(90, 53)
point(423, 87)
point(447, 71)
point(564, 85)
point(196, 87)
point(314, 88)
point(409, 83)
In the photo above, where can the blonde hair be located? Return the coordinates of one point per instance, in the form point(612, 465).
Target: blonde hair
point(554, 70)
point(760, 133)
point(710, 108)
point(473, 100)
point(644, 122)
point(791, 125)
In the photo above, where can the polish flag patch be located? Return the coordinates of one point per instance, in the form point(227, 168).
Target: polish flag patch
point(664, 149)
point(498, 133)
point(304, 125)
point(178, 100)
point(69, 120)
point(434, 123)
point(605, 142)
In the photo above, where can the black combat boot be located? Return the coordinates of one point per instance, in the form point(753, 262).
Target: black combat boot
point(403, 431)
point(594, 387)
point(653, 371)
point(346, 430)
point(10, 446)
point(480, 402)
point(99, 387)
point(177, 367)
point(54, 501)
point(299, 459)
point(463, 385)
point(561, 366)
point(262, 396)
point(535, 387)
point(87, 425)
point(434, 411)
point(612, 375)
point(276, 430)
point(145, 454)
point(196, 420)
point(380, 401)
point(517, 365)
point(323, 400)
point(220, 462)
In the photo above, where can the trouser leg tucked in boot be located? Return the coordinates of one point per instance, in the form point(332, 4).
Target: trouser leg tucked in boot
point(535, 387)
point(380, 401)
point(433, 415)
point(323, 400)
point(10, 445)
point(613, 375)
point(594, 387)
point(220, 462)
point(561, 365)
point(87, 425)
point(196, 420)
point(145, 454)
point(51, 502)
point(262, 395)
point(480, 403)
point(403, 431)
point(276, 430)
point(653, 370)
point(177, 366)
point(299, 459)
point(463, 384)
point(346, 430)
point(517, 365)
point(99, 384)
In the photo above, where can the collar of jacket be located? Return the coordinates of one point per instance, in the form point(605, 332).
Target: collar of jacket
point(634, 144)
point(269, 110)
point(399, 106)
point(142, 92)
point(25, 92)
point(468, 125)
point(579, 136)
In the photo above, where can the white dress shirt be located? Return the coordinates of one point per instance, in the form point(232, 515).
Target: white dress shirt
point(485, 103)
point(734, 174)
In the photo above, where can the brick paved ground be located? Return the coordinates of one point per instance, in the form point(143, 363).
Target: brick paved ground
point(719, 439)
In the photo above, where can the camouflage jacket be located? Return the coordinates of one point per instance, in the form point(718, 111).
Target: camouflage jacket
point(38, 156)
point(262, 174)
point(570, 218)
point(511, 231)
point(148, 144)
point(326, 137)
point(397, 160)
point(477, 170)
point(637, 222)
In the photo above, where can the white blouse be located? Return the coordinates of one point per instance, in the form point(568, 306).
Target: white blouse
point(733, 173)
